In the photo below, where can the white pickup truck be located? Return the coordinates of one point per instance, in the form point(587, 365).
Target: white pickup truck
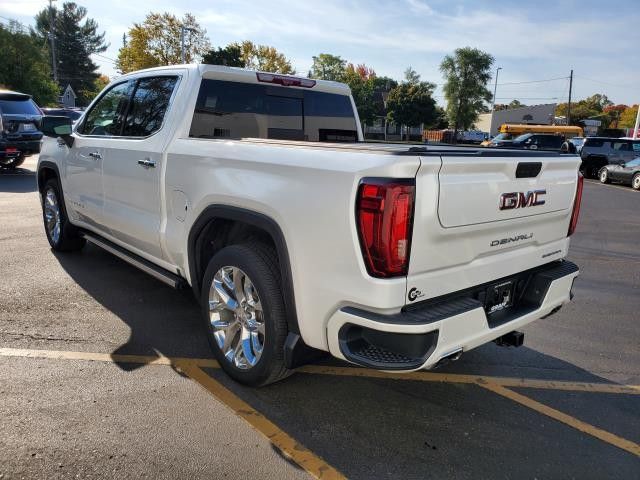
point(257, 191)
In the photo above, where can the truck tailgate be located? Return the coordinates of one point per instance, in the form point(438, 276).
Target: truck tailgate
point(471, 188)
point(479, 218)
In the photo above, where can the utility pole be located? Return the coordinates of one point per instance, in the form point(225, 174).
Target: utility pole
point(183, 53)
point(493, 103)
point(569, 103)
point(635, 129)
point(52, 39)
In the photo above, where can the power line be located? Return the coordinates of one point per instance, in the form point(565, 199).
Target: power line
point(534, 81)
point(603, 83)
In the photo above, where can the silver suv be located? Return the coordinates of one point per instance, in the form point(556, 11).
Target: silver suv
point(600, 151)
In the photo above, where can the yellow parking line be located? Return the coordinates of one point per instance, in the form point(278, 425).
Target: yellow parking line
point(313, 464)
point(421, 376)
point(288, 445)
point(584, 427)
point(191, 367)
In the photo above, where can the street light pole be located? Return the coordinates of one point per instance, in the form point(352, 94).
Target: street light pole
point(493, 103)
point(52, 39)
point(635, 129)
point(495, 89)
point(183, 53)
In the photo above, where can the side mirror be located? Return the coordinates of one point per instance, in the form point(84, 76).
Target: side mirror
point(622, 164)
point(57, 127)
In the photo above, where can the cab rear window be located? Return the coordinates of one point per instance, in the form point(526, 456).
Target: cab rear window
point(234, 110)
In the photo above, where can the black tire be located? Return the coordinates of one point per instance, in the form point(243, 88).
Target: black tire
point(259, 263)
point(635, 182)
point(68, 238)
point(603, 176)
point(15, 163)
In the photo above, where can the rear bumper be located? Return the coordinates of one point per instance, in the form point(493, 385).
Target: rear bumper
point(422, 334)
point(10, 148)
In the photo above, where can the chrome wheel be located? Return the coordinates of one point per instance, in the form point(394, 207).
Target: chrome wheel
point(236, 317)
point(636, 182)
point(603, 176)
point(52, 215)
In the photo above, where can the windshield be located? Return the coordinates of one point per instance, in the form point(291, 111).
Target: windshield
point(522, 138)
point(577, 141)
point(502, 136)
point(19, 107)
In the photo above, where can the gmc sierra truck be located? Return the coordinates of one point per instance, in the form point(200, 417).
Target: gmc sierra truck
point(257, 191)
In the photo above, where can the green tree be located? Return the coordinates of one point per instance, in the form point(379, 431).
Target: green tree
point(76, 39)
point(157, 41)
point(628, 117)
point(592, 107)
point(230, 56)
point(466, 74)
point(249, 55)
point(328, 67)
point(264, 58)
point(411, 103)
point(98, 85)
point(25, 65)
point(411, 76)
point(361, 81)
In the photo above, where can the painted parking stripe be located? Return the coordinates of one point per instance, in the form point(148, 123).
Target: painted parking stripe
point(291, 448)
point(192, 367)
point(305, 458)
point(422, 376)
point(584, 427)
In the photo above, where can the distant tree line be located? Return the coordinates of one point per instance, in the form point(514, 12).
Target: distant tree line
point(26, 60)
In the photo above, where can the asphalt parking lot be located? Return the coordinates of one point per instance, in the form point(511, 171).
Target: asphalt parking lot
point(104, 374)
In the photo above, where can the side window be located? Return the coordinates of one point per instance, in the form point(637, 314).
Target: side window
point(106, 116)
point(621, 146)
point(148, 106)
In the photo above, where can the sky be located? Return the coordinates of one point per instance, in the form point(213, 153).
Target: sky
point(531, 41)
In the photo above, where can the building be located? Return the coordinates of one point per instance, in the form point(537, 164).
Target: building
point(68, 98)
point(535, 114)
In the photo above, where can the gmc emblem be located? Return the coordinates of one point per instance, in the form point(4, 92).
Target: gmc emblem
point(509, 201)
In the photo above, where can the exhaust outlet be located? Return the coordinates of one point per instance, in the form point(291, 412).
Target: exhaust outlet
point(511, 339)
point(449, 357)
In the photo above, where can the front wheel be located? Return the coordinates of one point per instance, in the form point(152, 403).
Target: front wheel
point(635, 182)
point(244, 314)
point(604, 175)
point(62, 236)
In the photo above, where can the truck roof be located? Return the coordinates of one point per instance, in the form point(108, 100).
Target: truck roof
point(238, 74)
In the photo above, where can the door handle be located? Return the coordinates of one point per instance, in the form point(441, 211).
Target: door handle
point(147, 163)
point(95, 155)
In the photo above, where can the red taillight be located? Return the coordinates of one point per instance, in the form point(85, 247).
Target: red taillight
point(384, 214)
point(576, 205)
point(285, 80)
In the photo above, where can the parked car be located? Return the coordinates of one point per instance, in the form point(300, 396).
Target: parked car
point(501, 137)
point(20, 134)
point(598, 152)
point(626, 172)
point(577, 142)
point(257, 190)
point(472, 136)
point(73, 113)
point(532, 141)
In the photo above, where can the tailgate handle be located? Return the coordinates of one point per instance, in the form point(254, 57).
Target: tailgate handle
point(528, 169)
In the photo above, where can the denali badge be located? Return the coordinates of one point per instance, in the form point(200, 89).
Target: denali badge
point(517, 238)
point(512, 200)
